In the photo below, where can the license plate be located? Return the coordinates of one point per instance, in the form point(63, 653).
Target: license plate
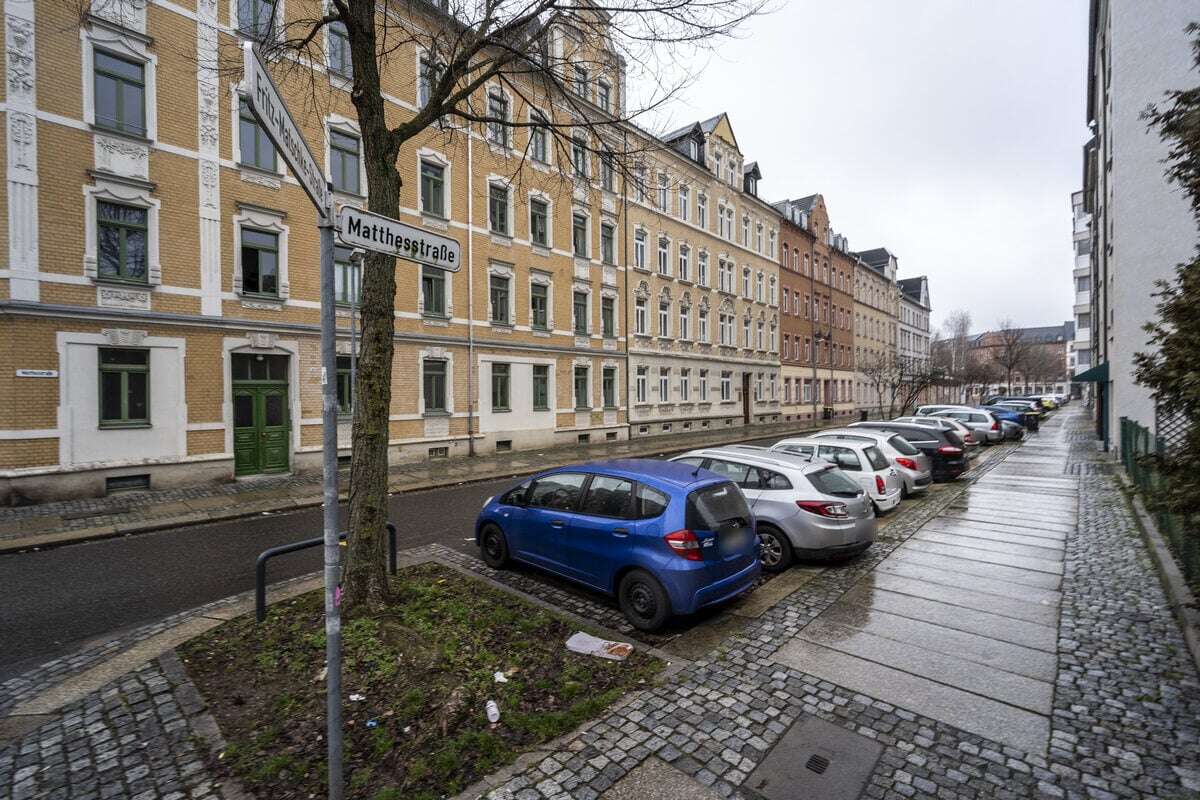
point(734, 542)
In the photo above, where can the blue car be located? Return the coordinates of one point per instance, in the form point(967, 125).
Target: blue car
point(665, 538)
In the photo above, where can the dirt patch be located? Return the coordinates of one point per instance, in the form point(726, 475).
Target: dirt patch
point(425, 671)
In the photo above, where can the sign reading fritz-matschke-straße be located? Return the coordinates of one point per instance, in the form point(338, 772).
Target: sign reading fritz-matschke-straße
point(381, 234)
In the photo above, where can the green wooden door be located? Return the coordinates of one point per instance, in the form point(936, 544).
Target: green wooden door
point(261, 440)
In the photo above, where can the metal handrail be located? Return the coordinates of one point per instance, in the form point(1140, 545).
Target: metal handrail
point(260, 564)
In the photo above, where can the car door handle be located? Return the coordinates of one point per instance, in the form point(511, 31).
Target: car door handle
point(620, 532)
point(557, 523)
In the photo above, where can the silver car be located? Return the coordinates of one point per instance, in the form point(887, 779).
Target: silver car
point(803, 508)
point(985, 427)
point(970, 443)
point(913, 466)
point(860, 460)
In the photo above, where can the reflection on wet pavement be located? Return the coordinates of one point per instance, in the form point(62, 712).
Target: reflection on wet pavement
point(960, 622)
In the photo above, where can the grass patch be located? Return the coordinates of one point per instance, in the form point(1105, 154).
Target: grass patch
point(426, 669)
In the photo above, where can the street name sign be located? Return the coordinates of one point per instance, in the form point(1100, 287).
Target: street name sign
point(263, 98)
point(391, 237)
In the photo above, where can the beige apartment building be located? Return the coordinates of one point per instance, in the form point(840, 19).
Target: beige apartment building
point(703, 286)
point(876, 315)
point(160, 308)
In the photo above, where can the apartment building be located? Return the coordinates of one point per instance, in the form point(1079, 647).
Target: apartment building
point(876, 321)
point(1141, 225)
point(818, 348)
point(160, 309)
point(1079, 349)
point(703, 285)
point(913, 332)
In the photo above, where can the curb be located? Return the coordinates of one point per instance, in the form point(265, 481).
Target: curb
point(1179, 594)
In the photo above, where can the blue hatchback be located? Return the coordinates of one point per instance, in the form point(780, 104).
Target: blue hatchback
point(665, 538)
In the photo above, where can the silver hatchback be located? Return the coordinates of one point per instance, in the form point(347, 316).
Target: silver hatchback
point(913, 466)
point(802, 508)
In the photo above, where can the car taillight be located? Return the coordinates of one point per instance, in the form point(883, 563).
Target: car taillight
point(969, 438)
point(996, 426)
point(879, 485)
point(824, 508)
point(907, 463)
point(685, 544)
point(947, 450)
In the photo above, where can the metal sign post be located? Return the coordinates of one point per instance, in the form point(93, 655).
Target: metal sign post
point(267, 105)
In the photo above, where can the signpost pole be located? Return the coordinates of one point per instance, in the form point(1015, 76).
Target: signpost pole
point(333, 612)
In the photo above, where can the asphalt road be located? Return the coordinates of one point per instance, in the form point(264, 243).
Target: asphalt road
point(56, 600)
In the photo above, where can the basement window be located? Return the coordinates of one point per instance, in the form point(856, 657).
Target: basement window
point(126, 483)
point(439, 452)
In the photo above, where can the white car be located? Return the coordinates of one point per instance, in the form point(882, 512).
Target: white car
point(862, 461)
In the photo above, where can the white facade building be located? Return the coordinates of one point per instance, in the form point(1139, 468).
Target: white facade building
point(1079, 349)
point(913, 331)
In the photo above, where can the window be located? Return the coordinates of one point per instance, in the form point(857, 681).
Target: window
point(608, 497)
point(787, 299)
point(607, 174)
point(639, 249)
point(256, 149)
point(539, 307)
point(120, 93)
point(703, 384)
point(538, 140)
point(702, 211)
point(650, 502)
point(346, 276)
point(685, 267)
point(608, 317)
point(579, 81)
point(758, 238)
point(497, 127)
point(431, 73)
point(560, 491)
point(685, 317)
point(345, 387)
point(1083, 321)
point(702, 268)
point(539, 222)
point(639, 184)
point(664, 194)
point(434, 385)
point(339, 50)
point(579, 157)
point(664, 384)
point(579, 312)
point(664, 321)
point(498, 208)
point(639, 315)
point(684, 203)
point(746, 332)
point(717, 164)
point(582, 401)
point(498, 299)
point(343, 161)
point(500, 377)
point(759, 341)
point(758, 287)
point(541, 387)
point(254, 18)
point(608, 387)
point(122, 242)
point(726, 387)
point(639, 384)
point(260, 262)
point(664, 262)
point(604, 95)
point(607, 246)
point(433, 292)
point(124, 387)
point(746, 283)
point(702, 325)
point(745, 231)
point(433, 189)
point(579, 237)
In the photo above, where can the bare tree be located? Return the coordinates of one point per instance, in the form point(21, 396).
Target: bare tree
point(1043, 365)
point(531, 50)
point(1010, 350)
point(898, 382)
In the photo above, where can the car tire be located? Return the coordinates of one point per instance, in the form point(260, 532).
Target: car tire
point(774, 549)
point(904, 492)
point(493, 547)
point(643, 600)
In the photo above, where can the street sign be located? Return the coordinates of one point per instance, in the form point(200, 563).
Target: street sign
point(262, 96)
point(392, 237)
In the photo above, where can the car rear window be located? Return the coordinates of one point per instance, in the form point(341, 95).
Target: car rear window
point(833, 481)
point(875, 458)
point(714, 507)
point(902, 446)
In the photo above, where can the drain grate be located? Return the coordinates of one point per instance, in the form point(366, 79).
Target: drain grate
point(816, 758)
point(817, 764)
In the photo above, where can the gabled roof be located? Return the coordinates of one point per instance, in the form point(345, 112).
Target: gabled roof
point(804, 203)
point(679, 133)
point(915, 289)
point(752, 168)
point(875, 257)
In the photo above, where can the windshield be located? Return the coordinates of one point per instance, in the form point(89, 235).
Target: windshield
point(715, 507)
point(833, 481)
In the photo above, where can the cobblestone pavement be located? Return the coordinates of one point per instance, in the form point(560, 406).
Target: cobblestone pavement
point(1125, 721)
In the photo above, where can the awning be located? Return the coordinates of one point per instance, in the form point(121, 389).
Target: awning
point(1097, 374)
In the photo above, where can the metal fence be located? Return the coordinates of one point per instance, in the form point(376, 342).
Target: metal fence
point(1137, 442)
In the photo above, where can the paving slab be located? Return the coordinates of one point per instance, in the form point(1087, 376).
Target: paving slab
point(818, 759)
point(657, 780)
point(1025, 511)
point(1008, 520)
point(992, 719)
point(950, 577)
point(987, 528)
point(965, 566)
point(1047, 539)
point(987, 556)
point(1045, 613)
point(995, 545)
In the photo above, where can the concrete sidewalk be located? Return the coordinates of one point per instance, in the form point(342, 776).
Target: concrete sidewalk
point(70, 521)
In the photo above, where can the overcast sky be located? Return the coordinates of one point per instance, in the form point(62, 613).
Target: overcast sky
point(948, 131)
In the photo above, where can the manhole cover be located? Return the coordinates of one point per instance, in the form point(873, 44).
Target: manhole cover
point(816, 758)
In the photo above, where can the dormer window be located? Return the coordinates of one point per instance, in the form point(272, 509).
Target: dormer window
point(752, 186)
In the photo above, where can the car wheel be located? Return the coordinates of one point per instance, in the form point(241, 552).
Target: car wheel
point(493, 546)
point(774, 549)
point(643, 600)
point(904, 492)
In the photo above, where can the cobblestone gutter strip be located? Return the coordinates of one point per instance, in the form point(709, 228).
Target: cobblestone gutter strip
point(1179, 594)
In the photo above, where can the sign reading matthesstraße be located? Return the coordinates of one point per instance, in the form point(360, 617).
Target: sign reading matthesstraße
point(264, 101)
point(392, 237)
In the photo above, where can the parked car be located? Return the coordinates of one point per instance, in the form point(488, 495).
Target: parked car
point(944, 447)
point(664, 538)
point(913, 466)
point(969, 443)
point(803, 508)
point(862, 461)
point(1031, 413)
point(925, 411)
point(983, 425)
point(1012, 423)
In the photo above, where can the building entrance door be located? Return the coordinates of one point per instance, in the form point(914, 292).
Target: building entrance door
point(745, 398)
point(261, 426)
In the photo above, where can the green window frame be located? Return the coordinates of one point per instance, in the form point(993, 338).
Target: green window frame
point(339, 50)
point(256, 148)
point(498, 296)
point(344, 154)
point(607, 248)
point(608, 317)
point(579, 312)
point(433, 292)
point(119, 93)
point(433, 385)
point(347, 277)
point(541, 387)
point(539, 306)
point(345, 387)
point(124, 375)
point(608, 387)
point(123, 240)
point(582, 401)
point(260, 262)
point(501, 374)
point(433, 189)
point(498, 209)
point(539, 222)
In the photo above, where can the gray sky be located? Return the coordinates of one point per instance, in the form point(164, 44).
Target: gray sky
point(947, 131)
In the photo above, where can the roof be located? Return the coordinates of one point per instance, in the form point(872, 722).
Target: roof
point(1041, 334)
point(804, 203)
point(751, 167)
point(876, 257)
point(705, 125)
point(914, 289)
